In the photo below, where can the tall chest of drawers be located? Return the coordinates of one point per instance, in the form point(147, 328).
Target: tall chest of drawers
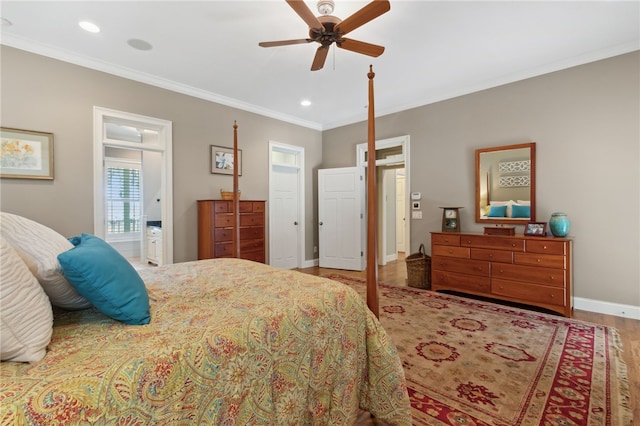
point(530, 270)
point(215, 229)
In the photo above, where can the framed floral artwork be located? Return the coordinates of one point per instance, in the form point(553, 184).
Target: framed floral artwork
point(25, 154)
point(222, 161)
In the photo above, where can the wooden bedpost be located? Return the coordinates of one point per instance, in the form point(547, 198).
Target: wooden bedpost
point(372, 221)
point(236, 197)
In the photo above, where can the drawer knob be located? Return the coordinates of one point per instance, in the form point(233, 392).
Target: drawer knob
point(468, 241)
point(552, 296)
point(513, 244)
point(491, 256)
point(539, 260)
point(544, 247)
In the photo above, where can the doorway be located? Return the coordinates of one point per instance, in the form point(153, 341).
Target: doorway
point(132, 183)
point(392, 168)
point(286, 206)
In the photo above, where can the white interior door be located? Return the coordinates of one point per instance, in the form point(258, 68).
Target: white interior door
point(400, 213)
point(341, 218)
point(286, 206)
point(285, 222)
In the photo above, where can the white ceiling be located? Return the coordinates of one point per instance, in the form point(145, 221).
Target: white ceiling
point(435, 50)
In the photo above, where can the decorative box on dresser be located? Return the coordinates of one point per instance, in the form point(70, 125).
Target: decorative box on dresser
point(528, 270)
point(215, 229)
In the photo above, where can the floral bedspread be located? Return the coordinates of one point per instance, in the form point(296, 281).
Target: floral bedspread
point(230, 342)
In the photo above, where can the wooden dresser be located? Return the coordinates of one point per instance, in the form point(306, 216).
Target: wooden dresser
point(529, 270)
point(215, 232)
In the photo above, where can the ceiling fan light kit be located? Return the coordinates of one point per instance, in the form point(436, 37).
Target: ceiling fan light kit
point(325, 7)
point(327, 29)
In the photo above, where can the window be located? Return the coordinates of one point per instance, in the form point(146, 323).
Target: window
point(123, 198)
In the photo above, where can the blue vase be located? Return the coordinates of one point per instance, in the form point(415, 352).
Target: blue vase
point(559, 224)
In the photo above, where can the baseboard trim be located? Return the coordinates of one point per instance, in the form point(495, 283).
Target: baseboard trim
point(608, 308)
point(310, 263)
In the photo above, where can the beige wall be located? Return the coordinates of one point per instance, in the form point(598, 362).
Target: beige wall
point(47, 95)
point(586, 123)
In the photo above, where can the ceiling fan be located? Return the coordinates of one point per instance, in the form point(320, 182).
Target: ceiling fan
point(327, 29)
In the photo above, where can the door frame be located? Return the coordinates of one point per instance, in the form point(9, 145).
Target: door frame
point(299, 165)
point(361, 161)
point(163, 145)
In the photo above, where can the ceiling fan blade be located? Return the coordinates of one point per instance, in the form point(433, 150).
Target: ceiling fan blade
point(364, 15)
point(321, 56)
point(361, 47)
point(284, 42)
point(301, 8)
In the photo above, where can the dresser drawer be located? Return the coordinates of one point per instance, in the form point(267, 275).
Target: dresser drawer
point(251, 233)
point(492, 255)
point(223, 249)
point(529, 292)
point(492, 242)
point(256, 256)
point(547, 247)
point(221, 207)
point(462, 282)
point(252, 219)
point(464, 266)
point(450, 251)
point(445, 240)
point(531, 274)
point(223, 234)
point(223, 220)
point(251, 245)
point(544, 260)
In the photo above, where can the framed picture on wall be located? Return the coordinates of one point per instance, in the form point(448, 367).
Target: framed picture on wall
point(536, 229)
point(25, 154)
point(222, 161)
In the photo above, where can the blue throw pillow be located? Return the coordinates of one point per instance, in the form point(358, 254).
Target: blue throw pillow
point(497, 211)
point(105, 278)
point(520, 211)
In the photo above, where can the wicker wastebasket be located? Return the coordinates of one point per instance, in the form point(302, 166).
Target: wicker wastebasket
point(419, 269)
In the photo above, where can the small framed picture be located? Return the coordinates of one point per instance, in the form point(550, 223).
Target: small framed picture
point(536, 229)
point(222, 161)
point(25, 154)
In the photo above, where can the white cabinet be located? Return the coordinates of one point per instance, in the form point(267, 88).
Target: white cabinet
point(154, 245)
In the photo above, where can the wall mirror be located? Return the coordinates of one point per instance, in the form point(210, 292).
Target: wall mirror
point(506, 184)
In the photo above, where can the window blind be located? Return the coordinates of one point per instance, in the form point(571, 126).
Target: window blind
point(123, 200)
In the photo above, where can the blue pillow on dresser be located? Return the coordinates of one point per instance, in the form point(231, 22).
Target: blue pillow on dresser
point(105, 278)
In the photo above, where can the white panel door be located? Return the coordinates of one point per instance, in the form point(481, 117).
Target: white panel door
point(285, 221)
point(341, 218)
point(400, 213)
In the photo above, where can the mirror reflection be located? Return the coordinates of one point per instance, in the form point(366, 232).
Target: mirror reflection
point(505, 184)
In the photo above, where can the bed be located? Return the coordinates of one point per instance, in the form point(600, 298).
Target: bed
point(229, 342)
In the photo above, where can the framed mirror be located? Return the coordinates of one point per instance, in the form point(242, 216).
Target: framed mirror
point(506, 184)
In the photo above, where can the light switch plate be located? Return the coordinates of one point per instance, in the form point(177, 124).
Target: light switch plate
point(416, 215)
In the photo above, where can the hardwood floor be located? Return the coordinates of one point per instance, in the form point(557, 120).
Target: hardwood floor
point(394, 273)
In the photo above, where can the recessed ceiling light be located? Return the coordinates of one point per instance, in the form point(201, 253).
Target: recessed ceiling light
point(89, 26)
point(305, 102)
point(136, 43)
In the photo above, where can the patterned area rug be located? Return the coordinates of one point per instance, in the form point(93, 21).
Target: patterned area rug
point(476, 363)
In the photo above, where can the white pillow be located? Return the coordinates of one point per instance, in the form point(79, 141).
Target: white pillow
point(39, 247)
point(524, 203)
point(26, 319)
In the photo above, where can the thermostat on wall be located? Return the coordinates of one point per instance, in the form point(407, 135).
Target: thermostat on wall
point(416, 196)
